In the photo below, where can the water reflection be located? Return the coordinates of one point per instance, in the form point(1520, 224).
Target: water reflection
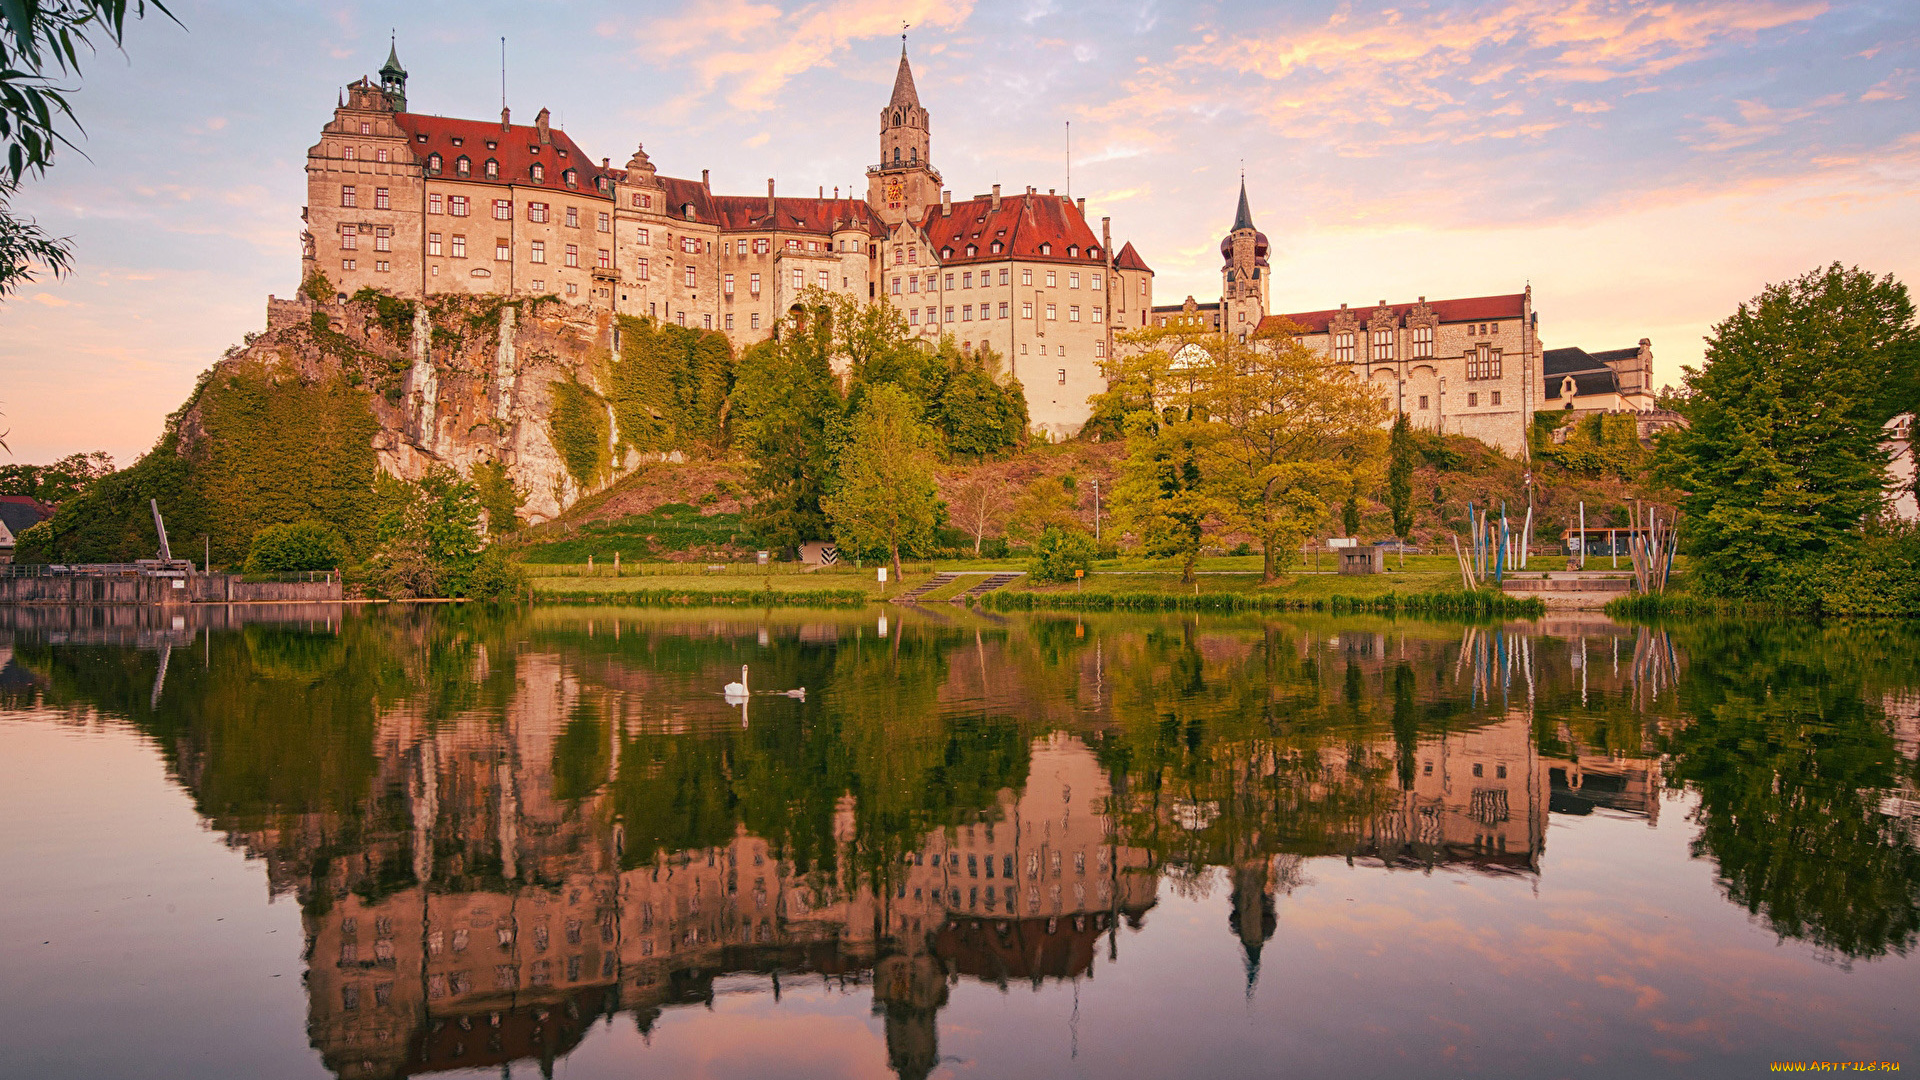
point(503, 828)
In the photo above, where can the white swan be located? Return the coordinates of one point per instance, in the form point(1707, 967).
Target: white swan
point(736, 691)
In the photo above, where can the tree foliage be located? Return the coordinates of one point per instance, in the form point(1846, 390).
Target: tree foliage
point(56, 483)
point(788, 419)
point(669, 386)
point(1062, 553)
point(885, 500)
point(1400, 454)
point(429, 542)
point(1782, 462)
point(301, 546)
point(1161, 499)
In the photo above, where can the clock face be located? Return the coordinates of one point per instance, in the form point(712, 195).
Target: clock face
point(894, 191)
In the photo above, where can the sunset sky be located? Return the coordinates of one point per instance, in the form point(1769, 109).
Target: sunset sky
point(1645, 166)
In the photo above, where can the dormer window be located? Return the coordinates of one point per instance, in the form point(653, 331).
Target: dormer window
point(572, 178)
point(538, 172)
point(1073, 251)
point(492, 145)
point(1046, 249)
point(532, 149)
point(458, 141)
point(461, 166)
point(688, 211)
point(1093, 253)
point(997, 247)
point(493, 169)
point(433, 164)
point(972, 250)
point(946, 253)
point(422, 137)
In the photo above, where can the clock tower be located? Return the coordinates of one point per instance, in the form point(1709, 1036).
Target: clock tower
point(905, 182)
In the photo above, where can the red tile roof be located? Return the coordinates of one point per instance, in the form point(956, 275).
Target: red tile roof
point(1023, 223)
point(518, 148)
point(1468, 309)
point(1130, 259)
point(823, 216)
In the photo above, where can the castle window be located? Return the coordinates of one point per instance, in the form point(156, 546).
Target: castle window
point(572, 178)
point(1473, 400)
point(492, 169)
point(346, 264)
point(493, 144)
point(605, 259)
point(457, 205)
point(502, 249)
point(1483, 363)
point(539, 284)
point(913, 317)
point(1026, 277)
point(1003, 309)
point(347, 153)
point(690, 245)
point(1073, 280)
point(382, 238)
point(729, 320)
point(966, 313)
point(1053, 312)
point(573, 217)
point(1098, 315)
point(1422, 342)
point(753, 286)
point(459, 246)
point(433, 164)
point(691, 280)
point(1026, 309)
point(974, 249)
point(433, 243)
point(1053, 279)
point(1094, 253)
point(502, 210)
point(1099, 347)
point(706, 322)
point(538, 172)
point(726, 284)
point(642, 236)
point(381, 201)
point(1383, 345)
point(753, 321)
point(762, 246)
point(421, 137)
point(913, 255)
point(349, 237)
point(603, 222)
point(1094, 282)
point(913, 283)
point(687, 211)
point(459, 141)
point(366, 127)
point(913, 154)
point(1343, 346)
point(1494, 329)
point(1063, 376)
point(573, 254)
point(1003, 276)
point(1073, 313)
point(826, 282)
point(380, 154)
point(537, 212)
point(1423, 401)
point(896, 155)
point(347, 197)
point(640, 271)
point(1073, 251)
point(462, 166)
point(1046, 249)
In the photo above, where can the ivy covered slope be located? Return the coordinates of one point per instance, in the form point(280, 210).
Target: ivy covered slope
point(527, 398)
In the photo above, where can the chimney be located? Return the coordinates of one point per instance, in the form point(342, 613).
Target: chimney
point(1343, 307)
point(703, 180)
point(506, 118)
point(769, 196)
point(1081, 202)
point(606, 163)
point(540, 125)
point(1423, 299)
point(836, 191)
point(996, 196)
point(946, 202)
point(823, 191)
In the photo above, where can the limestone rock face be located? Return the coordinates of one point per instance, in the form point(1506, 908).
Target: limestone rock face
point(462, 382)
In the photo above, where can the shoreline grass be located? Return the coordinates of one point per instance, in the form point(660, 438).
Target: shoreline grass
point(1484, 602)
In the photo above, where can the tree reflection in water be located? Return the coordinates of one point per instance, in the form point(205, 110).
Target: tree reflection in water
point(502, 826)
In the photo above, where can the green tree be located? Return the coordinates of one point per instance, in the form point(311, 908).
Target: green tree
point(1045, 502)
point(978, 414)
point(430, 542)
point(1160, 500)
point(1350, 513)
point(1400, 453)
point(58, 482)
point(303, 545)
point(885, 499)
point(788, 419)
point(40, 46)
point(1277, 432)
point(1060, 551)
point(1782, 462)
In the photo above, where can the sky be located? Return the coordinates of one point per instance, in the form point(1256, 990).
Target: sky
point(1644, 165)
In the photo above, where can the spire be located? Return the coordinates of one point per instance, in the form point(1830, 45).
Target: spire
point(393, 78)
point(1243, 217)
point(903, 89)
point(392, 66)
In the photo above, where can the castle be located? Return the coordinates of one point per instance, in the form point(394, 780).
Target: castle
point(1469, 366)
point(417, 205)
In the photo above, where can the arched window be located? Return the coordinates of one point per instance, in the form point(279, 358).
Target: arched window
point(913, 153)
point(538, 172)
point(896, 155)
point(493, 169)
point(433, 164)
point(462, 167)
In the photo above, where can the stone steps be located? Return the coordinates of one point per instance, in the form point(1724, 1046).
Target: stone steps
point(995, 581)
point(933, 584)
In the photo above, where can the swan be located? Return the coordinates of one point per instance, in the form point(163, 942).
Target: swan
point(735, 690)
point(797, 695)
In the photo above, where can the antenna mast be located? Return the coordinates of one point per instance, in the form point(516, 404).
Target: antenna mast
point(1069, 161)
point(503, 72)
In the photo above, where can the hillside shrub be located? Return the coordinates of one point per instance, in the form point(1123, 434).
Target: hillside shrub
point(300, 546)
point(1059, 552)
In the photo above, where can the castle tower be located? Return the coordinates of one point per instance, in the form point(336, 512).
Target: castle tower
point(905, 182)
point(1243, 284)
point(393, 79)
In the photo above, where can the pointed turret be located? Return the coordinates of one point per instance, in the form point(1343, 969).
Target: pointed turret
point(904, 92)
point(393, 78)
point(1243, 217)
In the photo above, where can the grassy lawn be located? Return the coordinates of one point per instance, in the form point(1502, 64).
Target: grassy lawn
point(673, 527)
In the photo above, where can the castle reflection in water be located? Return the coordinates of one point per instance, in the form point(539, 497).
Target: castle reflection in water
point(482, 901)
